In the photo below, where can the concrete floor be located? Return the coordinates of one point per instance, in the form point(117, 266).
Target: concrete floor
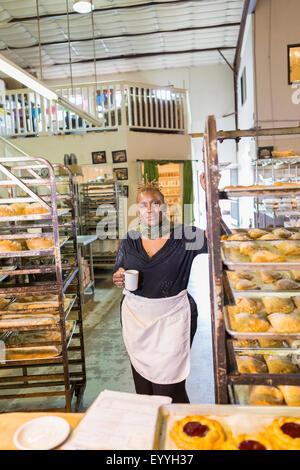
point(107, 362)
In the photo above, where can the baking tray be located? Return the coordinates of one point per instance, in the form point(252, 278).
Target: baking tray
point(256, 335)
point(29, 253)
point(24, 218)
point(70, 333)
point(265, 289)
point(240, 419)
point(69, 302)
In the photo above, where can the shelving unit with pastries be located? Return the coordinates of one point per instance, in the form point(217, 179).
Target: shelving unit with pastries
point(279, 169)
point(255, 292)
point(92, 196)
point(41, 305)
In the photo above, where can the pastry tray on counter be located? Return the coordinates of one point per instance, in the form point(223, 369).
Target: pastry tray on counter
point(238, 419)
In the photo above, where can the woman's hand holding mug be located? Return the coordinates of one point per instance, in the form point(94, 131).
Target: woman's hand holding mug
point(119, 278)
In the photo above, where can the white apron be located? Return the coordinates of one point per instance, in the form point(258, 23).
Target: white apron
point(156, 334)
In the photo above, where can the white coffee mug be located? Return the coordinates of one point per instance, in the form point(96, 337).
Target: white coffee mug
point(131, 279)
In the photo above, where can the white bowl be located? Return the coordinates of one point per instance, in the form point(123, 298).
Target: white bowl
point(44, 433)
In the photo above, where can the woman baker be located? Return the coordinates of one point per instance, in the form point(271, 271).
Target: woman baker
point(159, 319)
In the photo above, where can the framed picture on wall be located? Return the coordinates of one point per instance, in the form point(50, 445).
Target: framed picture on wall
point(264, 152)
point(293, 63)
point(119, 156)
point(125, 191)
point(99, 157)
point(121, 173)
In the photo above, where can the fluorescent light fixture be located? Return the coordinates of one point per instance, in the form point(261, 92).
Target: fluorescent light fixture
point(83, 6)
point(16, 72)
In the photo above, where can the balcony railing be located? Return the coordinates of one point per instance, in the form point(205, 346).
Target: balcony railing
point(116, 105)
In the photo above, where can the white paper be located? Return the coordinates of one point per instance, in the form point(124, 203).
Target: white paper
point(118, 421)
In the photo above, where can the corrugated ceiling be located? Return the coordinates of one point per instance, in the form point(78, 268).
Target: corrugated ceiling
point(124, 38)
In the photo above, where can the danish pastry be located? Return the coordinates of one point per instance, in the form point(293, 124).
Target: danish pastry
point(236, 237)
point(283, 323)
point(35, 208)
point(296, 275)
point(268, 236)
point(39, 243)
point(282, 233)
point(265, 256)
point(250, 305)
point(237, 275)
point(278, 305)
point(263, 395)
point(284, 433)
point(248, 442)
point(257, 233)
point(297, 302)
point(288, 247)
point(295, 236)
point(197, 433)
point(251, 365)
point(243, 284)
point(6, 211)
point(248, 248)
point(270, 343)
point(291, 394)
point(280, 365)
point(246, 323)
point(268, 277)
point(287, 284)
point(10, 245)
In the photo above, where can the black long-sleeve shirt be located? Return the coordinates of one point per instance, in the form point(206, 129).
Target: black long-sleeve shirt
point(167, 273)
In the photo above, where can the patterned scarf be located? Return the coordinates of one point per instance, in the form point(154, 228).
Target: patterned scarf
point(152, 232)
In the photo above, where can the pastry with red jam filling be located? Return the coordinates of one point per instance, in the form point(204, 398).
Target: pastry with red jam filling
point(248, 442)
point(197, 433)
point(285, 433)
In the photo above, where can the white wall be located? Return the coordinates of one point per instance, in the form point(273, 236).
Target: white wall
point(277, 26)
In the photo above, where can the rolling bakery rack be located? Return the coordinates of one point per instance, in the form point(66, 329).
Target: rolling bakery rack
point(107, 195)
point(40, 272)
point(228, 379)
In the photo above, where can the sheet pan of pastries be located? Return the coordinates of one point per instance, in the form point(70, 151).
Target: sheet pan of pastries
point(261, 247)
point(219, 427)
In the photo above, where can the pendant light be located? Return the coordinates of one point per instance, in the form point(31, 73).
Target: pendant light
point(83, 6)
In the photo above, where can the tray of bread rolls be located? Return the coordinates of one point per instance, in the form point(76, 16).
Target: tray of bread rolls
point(22, 211)
point(258, 249)
point(227, 427)
point(34, 246)
point(34, 305)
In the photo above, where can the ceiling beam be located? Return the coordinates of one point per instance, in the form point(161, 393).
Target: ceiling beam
point(143, 55)
point(128, 35)
point(101, 10)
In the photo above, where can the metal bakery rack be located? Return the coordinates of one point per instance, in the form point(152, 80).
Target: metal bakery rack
point(59, 379)
point(101, 200)
point(228, 379)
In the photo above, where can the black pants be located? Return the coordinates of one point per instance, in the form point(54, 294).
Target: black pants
point(175, 391)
